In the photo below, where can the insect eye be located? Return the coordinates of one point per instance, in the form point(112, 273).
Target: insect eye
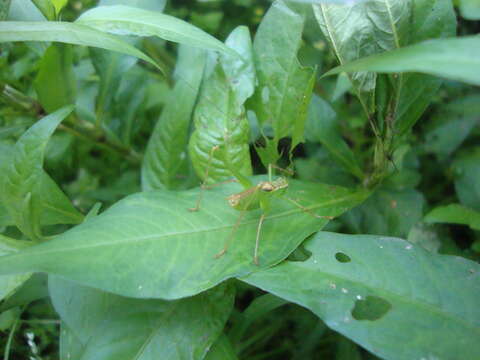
point(267, 187)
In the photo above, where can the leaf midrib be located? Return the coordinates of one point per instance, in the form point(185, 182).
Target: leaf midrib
point(156, 237)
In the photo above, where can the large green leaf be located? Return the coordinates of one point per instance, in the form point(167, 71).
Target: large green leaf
point(470, 9)
point(322, 126)
point(9, 283)
point(451, 124)
point(456, 59)
point(46, 7)
point(466, 171)
point(55, 83)
point(113, 327)
point(24, 10)
point(31, 197)
point(126, 20)
point(150, 245)
point(110, 67)
point(4, 9)
point(366, 28)
point(387, 212)
point(222, 350)
point(284, 87)
point(220, 118)
point(395, 299)
point(166, 150)
point(454, 214)
point(152, 5)
point(360, 29)
point(68, 33)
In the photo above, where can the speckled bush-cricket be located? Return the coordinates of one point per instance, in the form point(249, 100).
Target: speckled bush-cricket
point(254, 197)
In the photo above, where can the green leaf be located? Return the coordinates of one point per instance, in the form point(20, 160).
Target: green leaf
point(148, 329)
point(322, 126)
point(152, 5)
point(455, 59)
point(10, 283)
point(29, 194)
point(149, 245)
point(55, 83)
point(451, 124)
point(70, 346)
point(387, 212)
point(46, 7)
point(470, 9)
point(24, 10)
point(372, 27)
point(383, 293)
point(220, 118)
point(35, 288)
point(466, 171)
point(126, 20)
point(64, 32)
point(59, 5)
point(165, 156)
point(4, 9)
point(110, 67)
point(378, 26)
point(454, 214)
point(284, 87)
point(222, 349)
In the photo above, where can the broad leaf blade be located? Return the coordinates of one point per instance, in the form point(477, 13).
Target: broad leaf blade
point(110, 67)
point(29, 194)
point(9, 283)
point(372, 289)
point(387, 212)
point(55, 83)
point(166, 149)
point(360, 29)
point(456, 59)
point(322, 126)
point(152, 5)
point(149, 329)
point(466, 172)
point(11, 31)
point(284, 87)
point(4, 9)
point(454, 214)
point(220, 118)
point(126, 20)
point(150, 244)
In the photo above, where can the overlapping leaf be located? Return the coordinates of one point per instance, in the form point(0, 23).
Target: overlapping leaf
point(9, 283)
point(220, 118)
point(30, 196)
point(284, 87)
point(454, 214)
point(456, 59)
point(126, 20)
point(55, 83)
point(69, 33)
point(106, 326)
point(395, 299)
point(359, 30)
point(166, 150)
point(150, 245)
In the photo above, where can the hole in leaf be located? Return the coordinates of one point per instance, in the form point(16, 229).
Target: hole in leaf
point(343, 258)
point(371, 308)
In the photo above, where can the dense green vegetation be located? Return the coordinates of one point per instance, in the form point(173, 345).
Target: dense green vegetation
point(345, 135)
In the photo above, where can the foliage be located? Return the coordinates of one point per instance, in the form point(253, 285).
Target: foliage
point(119, 120)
